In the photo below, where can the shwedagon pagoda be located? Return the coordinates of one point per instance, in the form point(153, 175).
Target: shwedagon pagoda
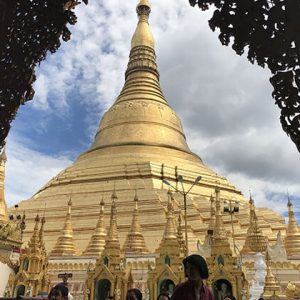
point(114, 220)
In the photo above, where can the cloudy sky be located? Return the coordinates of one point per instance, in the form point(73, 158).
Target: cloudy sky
point(224, 102)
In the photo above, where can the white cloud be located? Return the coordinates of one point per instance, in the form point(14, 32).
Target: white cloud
point(224, 102)
point(28, 170)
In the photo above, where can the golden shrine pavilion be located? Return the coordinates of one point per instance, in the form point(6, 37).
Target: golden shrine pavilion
point(112, 221)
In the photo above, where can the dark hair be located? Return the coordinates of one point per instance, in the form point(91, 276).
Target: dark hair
point(163, 294)
point(230, 297)
point(59, 287)
point(197, 261)
point(137, 293)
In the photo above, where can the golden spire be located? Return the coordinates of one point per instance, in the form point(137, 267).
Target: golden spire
point(272, 287)
point(142, 67)
point(41, 235)
point(255, 240)
point(112, 235)
point(130, 280)
point(112, 250)
point(169, 251)
point(33, 249)
point(135, 242)
point(141, 114)
point(170, 234)
point(65, 244)
point(212, 220)
point(292, 238)
point(143, 35)
point(180, 236)
point(34, 242)
point(3, 207)
point(220, 242)
point(219, 231)
point(97, 241)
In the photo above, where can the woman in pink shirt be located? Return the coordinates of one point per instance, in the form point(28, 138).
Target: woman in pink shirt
point(196, 270)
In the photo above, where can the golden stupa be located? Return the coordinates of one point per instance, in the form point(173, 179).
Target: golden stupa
point(140, 142)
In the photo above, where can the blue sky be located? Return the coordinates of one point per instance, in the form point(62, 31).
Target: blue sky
point(52, 133)
point(224, 102)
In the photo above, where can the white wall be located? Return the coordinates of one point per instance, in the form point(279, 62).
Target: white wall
point(5, 271)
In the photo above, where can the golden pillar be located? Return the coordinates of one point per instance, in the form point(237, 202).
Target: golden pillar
point(3, 207)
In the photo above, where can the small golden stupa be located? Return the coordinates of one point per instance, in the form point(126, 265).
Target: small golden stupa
point(292, 239)
point(3, 207)
point(65, 243)
point(255, 240)
point(97, 241)
point(272, 289)
point(135, 242)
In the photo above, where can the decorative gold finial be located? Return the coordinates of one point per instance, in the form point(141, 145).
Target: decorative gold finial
point(289, 203)
point(41, 235)
point(251, 201)
point(143, 35)
point(114, 197)
point(113, 228)
point(70, 205)
point(3, 206)
point(34, 241)
point(136, 200)
point(143, 8)
point(180, 238)
point(135, 242)
point(102, 203)
point(97, 241)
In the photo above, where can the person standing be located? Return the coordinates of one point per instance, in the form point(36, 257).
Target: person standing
point(163, 296)
point(195, 269)
point(134, 294)
point(59, 292)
